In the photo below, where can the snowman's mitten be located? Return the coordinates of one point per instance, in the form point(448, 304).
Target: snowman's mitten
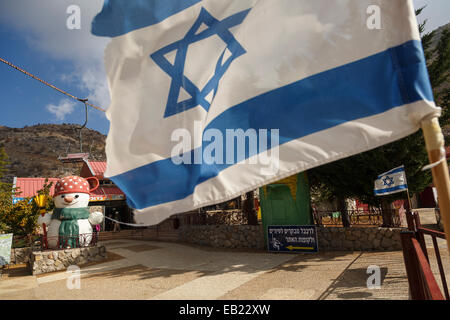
point(95, 218)
point(45, 219)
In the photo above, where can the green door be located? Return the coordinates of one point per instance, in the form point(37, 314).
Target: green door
point(279, 207)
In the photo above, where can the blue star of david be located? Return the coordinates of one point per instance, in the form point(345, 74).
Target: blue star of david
point(388, 181)
point(176, 71)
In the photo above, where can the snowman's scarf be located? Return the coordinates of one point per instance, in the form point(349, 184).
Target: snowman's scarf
point(68, 230)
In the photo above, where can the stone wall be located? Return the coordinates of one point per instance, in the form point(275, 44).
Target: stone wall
point(20, 255)
point(227, 217)
point(224, 236)
point(359, 239)
point(58, 260)
point(330, 239)
point(212, 217)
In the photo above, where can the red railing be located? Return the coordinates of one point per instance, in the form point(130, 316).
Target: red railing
point(422, 283)
point(64, 242)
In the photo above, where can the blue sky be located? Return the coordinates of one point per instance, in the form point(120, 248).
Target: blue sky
point(33, 35)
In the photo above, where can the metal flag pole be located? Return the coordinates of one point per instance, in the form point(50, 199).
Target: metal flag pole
point(434, 142)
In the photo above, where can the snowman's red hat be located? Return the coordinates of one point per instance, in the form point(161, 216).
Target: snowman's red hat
point(74, 184)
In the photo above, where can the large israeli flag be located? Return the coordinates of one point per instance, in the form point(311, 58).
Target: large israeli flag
point(310, 81)
point(391, 182)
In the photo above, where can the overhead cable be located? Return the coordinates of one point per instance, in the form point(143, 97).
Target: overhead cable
point(50, 85)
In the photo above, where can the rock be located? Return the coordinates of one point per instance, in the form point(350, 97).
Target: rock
point(50, 262)
point(388, 233)
point(366, 245)
point(323, 243)
point(376, 243)
point(327, 235)
point(102, 251)
point(357, 245)
point(55, 255)
point(93, 251)
point(386, 243)
point(356, 233)
point(396, 236)
point(348, 245)
point(336, 244)
point(83, 260)
point(75, 252)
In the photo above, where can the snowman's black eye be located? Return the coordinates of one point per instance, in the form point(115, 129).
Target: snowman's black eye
point(76, 196)
point(62, 197)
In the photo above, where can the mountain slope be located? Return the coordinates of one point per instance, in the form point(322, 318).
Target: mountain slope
point(33, 150)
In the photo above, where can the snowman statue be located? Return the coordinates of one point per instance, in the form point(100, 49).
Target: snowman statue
point(70, 224)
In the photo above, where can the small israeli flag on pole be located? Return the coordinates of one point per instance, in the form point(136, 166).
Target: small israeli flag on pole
point(391, 182)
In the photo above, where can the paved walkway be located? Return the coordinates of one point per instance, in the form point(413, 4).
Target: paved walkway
point(159, 270)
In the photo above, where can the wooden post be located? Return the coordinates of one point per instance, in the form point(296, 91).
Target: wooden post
point(412, 267)
point(409, 199)
point(434, 141)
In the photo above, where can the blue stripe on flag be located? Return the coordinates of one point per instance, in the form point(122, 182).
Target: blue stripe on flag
point(390, 190)
point(360, 89)
point(119, 17)
point(402, 169)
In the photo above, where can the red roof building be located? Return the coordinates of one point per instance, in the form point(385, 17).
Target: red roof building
point(94, 169)
point(107, 191)
point(28, 187)
point(108, 196)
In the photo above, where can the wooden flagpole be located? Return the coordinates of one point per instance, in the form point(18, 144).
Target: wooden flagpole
point(409, 198)
point(434, 141)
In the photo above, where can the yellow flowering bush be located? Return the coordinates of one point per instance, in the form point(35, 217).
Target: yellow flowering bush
point(20, 218)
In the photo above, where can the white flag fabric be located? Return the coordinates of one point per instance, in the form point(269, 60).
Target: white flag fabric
point(214, 98)
point(391, 182)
